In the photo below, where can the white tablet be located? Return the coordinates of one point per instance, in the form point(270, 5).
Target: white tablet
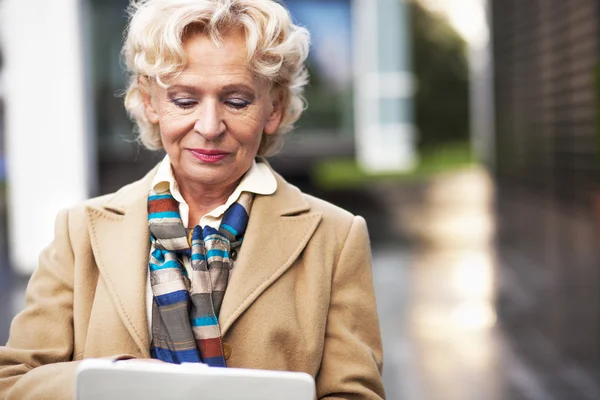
point(103, 379)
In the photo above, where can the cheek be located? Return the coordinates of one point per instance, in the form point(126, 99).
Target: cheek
point(174, 127)
point(248, 128)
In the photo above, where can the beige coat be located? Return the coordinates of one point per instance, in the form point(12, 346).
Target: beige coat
point(300, 297)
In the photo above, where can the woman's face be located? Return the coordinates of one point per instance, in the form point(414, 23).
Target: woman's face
point(213, 115)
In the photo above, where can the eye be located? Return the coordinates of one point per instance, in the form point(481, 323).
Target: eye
point(184, 104)
point(237, 103)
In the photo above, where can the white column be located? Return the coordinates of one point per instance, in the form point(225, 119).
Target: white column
point(384, 86)
point(47, 132)
point(481, 61)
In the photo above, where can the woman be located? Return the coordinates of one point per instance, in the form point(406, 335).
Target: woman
point(211, 257)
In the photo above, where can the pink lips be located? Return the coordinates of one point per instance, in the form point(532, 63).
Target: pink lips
point(209, 156)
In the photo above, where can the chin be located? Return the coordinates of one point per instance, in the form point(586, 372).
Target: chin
point(210, 174)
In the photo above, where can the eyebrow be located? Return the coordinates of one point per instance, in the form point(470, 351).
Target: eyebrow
point(231, 88)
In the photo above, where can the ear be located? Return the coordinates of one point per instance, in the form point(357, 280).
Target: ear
point(146, 90)
point(276, 114)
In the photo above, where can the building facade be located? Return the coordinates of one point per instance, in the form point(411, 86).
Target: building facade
point(546, 56)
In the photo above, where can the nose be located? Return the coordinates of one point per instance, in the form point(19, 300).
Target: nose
point(210, 124)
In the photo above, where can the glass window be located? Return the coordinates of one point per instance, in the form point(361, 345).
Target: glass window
point(330, 92)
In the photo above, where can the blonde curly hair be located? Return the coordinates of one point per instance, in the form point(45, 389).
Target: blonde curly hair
point(154, 48)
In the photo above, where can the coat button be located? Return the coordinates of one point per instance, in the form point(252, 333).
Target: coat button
point(234, 255)
point(190, 237)
point(226, 351)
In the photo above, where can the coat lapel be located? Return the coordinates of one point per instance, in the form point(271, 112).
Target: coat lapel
point(279, 228)
point(120, 242)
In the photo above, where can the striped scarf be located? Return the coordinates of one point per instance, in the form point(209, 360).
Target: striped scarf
point(185, 310)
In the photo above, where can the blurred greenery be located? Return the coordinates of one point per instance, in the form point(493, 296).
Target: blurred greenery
point(442, 73)
point(441, 108)
point(347, 174)
point(442, 97)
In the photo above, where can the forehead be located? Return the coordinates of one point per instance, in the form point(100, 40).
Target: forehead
point(205, 58)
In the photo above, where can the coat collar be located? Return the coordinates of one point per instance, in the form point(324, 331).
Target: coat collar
point(279, 228)
point(286, 201)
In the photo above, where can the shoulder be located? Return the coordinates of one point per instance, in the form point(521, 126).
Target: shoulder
point(336, 222)
point(328, 210)
point(339, 236)
point(117, 202)
point(291, 199)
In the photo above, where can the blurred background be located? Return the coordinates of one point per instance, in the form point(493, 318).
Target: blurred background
point(465, 131)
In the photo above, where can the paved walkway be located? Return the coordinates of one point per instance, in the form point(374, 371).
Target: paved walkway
point(437, 303)
point(441, 337)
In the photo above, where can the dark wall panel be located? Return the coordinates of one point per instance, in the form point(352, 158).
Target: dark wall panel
point(545, 58)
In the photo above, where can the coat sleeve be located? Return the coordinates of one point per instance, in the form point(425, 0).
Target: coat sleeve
point(37, 361)
point(353, 356)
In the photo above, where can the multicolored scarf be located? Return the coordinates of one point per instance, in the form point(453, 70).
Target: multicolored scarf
point(185, 310)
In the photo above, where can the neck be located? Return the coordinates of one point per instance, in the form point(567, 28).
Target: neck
point(202, 199)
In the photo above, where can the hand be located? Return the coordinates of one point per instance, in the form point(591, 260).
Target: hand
point(143, 360)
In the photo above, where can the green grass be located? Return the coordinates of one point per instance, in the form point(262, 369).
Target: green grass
point(346, 173)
